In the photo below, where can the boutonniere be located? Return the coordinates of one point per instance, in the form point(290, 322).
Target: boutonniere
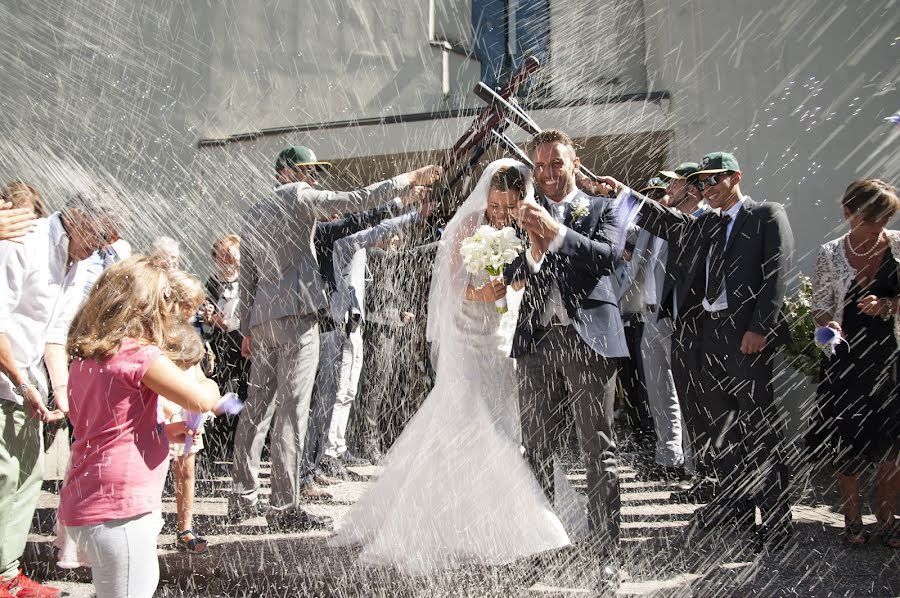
point(580, 209)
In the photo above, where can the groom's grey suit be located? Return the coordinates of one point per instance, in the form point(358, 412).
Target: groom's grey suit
point(568, 343)
point(282, 297)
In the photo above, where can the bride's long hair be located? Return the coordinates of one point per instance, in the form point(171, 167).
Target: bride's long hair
point(449, 279)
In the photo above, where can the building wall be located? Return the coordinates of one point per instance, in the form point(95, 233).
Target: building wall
point(123, 91)
point(796, 90)
point(119, 93)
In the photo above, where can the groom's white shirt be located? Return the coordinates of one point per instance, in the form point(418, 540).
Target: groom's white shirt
point(555, 305)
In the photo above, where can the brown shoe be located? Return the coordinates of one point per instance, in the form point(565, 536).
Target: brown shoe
point(312, 492)
point(324, 480)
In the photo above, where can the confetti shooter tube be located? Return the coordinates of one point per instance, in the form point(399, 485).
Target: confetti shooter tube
point(229, 404)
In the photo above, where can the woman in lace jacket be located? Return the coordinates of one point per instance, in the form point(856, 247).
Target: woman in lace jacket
point(856, 292)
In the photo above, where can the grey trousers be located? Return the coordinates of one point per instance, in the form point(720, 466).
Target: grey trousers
point(656, 352)
point(561, 378)
point(282, 374)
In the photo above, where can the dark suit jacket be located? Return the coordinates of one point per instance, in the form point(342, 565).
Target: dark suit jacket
point(581, 268)
point(757, 262)
point(327, 234)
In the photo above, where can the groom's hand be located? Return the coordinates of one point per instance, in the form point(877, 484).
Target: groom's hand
point(541, 227)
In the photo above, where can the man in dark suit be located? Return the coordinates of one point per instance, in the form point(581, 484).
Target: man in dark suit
point(569, 339)
point(316, 469)
point(684, 196)
point(739, 253)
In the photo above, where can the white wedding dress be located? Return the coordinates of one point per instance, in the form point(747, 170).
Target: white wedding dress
point(455, 488)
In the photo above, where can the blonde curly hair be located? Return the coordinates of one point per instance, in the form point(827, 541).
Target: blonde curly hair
point(187, 291)
point(131, 299)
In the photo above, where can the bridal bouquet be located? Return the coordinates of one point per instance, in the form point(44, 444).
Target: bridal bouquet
point(489, 249)
point(803, 352)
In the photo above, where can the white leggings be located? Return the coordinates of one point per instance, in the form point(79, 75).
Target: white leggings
point(122, 555)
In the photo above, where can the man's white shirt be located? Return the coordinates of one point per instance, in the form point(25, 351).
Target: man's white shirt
point(40, 300)
point(555, 305)
point(722, 300)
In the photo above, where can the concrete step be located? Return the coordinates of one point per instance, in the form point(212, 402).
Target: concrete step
point(248, 560)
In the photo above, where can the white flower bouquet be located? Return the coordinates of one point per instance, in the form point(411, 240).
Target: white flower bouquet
point(489, 249)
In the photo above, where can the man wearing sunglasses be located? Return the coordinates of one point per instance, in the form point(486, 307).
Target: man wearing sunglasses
point(735, 257)
point(685, 197)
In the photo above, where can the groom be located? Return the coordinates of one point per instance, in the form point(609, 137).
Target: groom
point(569, 338)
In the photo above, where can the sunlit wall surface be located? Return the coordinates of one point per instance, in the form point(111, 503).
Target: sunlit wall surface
point(124, 92)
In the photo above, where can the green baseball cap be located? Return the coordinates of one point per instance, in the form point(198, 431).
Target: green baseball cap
point(654, 183)
point(718, 162)
point(298, 155)
point(682, 171)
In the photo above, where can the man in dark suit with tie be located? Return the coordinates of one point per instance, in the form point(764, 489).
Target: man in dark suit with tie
point(569, 339)
point(684, 196)
point(737, 255)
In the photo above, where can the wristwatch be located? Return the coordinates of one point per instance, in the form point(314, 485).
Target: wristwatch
point(22, 388)
point(890, 309)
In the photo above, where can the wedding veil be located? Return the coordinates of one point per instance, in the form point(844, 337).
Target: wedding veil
point(449, 276)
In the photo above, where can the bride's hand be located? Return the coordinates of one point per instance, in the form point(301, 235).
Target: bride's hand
point(496, 289)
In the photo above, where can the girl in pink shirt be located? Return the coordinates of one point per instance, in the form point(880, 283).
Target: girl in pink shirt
point(120, 341)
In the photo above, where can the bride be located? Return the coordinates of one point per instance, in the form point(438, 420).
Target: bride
point(455, 489)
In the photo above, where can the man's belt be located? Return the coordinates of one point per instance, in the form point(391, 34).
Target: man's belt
point(716, 315)
point(555, 322)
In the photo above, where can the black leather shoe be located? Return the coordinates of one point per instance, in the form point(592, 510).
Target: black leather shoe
point(351, 460)
point(709, 517)
point(298, 520)
point(745, 520)
point(776, 531)
point(702, 490)
point(768, 539)
point(334, 468)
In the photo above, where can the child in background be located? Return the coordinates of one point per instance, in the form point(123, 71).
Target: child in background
point(188, 295)
point(111, 500)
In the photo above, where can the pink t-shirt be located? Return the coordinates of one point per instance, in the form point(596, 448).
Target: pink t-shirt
point(120, 454)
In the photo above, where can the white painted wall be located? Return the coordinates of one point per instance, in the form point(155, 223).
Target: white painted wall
point(123, 90)
point(796, 89)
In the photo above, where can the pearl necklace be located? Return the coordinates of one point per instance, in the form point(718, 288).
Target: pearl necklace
point(864, 253)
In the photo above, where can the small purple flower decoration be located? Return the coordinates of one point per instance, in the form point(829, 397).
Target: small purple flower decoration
point(828, 339)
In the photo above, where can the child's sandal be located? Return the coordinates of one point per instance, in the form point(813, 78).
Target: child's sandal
point(195, 545)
